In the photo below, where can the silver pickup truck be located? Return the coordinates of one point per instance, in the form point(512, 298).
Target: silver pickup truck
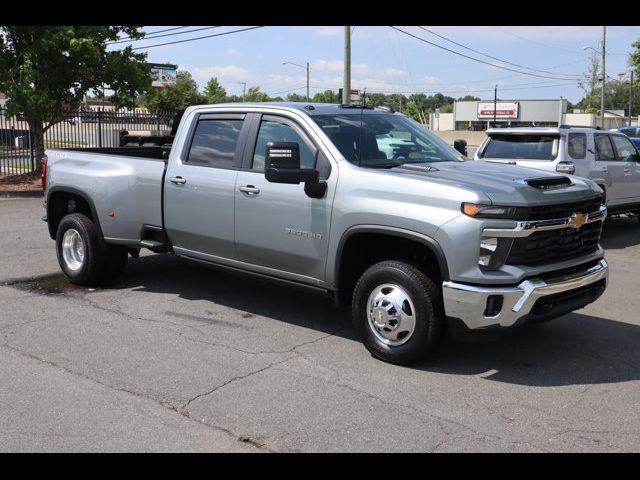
point(362, 203)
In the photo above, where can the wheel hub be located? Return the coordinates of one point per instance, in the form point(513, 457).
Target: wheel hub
point(73, 250)
point(391, 314)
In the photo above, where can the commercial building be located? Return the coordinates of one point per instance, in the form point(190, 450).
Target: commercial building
point(479, 115)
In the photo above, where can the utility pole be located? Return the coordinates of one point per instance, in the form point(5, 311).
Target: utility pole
point(346, 90)
point(604, 74)
point(495, 105)
point(307, 81)
point(630, 95)
point(244, 88)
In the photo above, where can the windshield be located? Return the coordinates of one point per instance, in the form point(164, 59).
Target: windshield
point(384, 140)
point(525, 147)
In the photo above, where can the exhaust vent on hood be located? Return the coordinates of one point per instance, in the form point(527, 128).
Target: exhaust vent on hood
point(548, 183)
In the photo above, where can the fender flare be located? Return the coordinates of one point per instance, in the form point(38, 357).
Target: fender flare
point(74, 191)
point(429, 242)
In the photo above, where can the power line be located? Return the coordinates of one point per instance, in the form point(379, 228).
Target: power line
point(196, 38)
point(494, 58)
point(167, 34)
point(534, 42)
point(476, 59)
point(151, 33)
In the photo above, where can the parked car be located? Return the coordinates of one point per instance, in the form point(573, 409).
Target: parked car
point(307, 194)
point(608, 158)
point(633, 133)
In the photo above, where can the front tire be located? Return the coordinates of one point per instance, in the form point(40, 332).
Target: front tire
point(83, 257)
point(398, 312)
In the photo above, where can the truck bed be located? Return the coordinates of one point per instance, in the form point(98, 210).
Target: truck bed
point(124, 185)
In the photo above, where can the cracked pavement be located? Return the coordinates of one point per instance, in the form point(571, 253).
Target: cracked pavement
point(178, 357)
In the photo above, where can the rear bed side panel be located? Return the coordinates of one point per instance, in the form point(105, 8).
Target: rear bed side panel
point(125, 191)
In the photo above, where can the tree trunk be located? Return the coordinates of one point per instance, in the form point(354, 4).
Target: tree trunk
point(37, 139)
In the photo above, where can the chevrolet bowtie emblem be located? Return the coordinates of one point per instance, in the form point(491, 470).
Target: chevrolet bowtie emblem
point(577, 220)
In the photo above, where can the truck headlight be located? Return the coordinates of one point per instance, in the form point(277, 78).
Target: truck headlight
point(493, 252)
point(488, 211)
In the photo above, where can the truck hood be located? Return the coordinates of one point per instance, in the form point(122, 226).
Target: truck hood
point(504, 184)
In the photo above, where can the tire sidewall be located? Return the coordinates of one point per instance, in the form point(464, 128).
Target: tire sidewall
point(90, 241)
point(420, 340)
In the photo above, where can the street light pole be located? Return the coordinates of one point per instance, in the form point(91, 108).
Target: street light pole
point(630, 95)
point(244, 88)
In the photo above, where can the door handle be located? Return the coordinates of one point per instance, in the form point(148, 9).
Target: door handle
point(178, 180)
point(249, 189)
point(604, 170)
point(627, 172)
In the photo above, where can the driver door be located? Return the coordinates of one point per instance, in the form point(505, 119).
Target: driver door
point(278, 228)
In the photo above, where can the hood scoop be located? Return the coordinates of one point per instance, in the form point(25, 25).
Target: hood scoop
point(548, 183)
point(418, 167)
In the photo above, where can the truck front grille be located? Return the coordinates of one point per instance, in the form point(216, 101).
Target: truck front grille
point(563, 210)
point(551, 246)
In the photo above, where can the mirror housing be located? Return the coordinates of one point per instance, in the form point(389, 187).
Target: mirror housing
point(282, 164)
point(461, 146)
point(566, 167)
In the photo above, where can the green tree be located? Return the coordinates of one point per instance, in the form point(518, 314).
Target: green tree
point(254, 94)
point(176, 96)
point(590, 83)
point(296, 97)
point(329, 96)
point(46, 71)
point(214, 92)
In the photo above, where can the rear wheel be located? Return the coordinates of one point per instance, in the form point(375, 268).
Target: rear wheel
point(398, 312)
point(83, 257)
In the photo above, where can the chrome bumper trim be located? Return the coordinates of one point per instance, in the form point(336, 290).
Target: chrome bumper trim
point(468, 302)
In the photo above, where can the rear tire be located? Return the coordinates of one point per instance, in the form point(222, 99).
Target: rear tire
point(83, 257)
point(398, 312)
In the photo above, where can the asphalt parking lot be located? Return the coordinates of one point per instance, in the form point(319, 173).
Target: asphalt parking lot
point(178, 357)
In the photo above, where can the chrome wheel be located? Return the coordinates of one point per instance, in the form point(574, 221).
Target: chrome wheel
point(391, 314)
point(73, 250)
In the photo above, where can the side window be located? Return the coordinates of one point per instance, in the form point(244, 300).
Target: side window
point(577, 145)
point(214, 143)
point(604, 150)
point(274, 131)
point(625, 149)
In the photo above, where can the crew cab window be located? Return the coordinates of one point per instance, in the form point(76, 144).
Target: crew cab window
point(275, 131)
point(625, 149)
point(577, 145)
point(214, 143)
point(525, 147)
point(604, 150)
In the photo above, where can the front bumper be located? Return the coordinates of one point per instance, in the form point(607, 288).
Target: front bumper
point(531, 299)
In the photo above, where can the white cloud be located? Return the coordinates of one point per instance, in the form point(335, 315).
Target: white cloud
point(222, 72)
point(329, 32)
point(394, 72)
point(338, 66)
point(430, 80)
point(232, 52)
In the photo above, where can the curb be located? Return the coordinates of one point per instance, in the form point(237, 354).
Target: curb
point(21, 194)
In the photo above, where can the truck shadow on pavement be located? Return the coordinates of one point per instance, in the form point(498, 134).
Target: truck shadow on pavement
point(620, 232)
point(576, 349)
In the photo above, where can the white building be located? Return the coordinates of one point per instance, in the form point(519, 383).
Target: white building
point(479, 115)
point(3, 100)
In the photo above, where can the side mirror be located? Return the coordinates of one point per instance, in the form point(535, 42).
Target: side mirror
point(461, 146)
point(283, 164)
point(566, 167)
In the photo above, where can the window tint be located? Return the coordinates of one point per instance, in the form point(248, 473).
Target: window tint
point(604, 150)
point(577, 145)
point(273, 131)
point(626, 150)
point(214, 143)
point(526, 147)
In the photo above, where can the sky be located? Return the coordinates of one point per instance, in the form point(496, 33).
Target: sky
point(389, 61)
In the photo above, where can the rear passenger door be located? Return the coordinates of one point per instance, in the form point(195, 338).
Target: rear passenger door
point(199, 190)
point(628, 155)
point(607, 161)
